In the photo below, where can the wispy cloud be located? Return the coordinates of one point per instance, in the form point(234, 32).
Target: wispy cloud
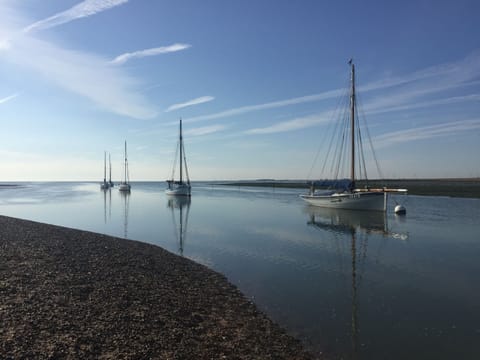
point(84, 9)
point(422, 104)
point(205, 130)
point(291, 125)
point(8, 98)
point(322, 118)
point(406, 91)
point(121, 59)
point(426, 132)
point(196, 101)
point(83, 74)
point(270, 105)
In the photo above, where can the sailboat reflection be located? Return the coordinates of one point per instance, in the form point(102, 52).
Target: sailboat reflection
point(107, 193)
point(356, 226)
point(126, 202)
point(182, 204)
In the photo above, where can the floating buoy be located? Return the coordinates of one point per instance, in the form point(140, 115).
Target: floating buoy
point(400, 210)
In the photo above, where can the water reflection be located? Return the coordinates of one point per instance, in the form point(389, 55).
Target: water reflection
point(126, 203)
point(182, 205)
point(356, 227)
point(107, 194)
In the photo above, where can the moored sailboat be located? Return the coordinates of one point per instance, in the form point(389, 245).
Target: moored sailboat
point(350, 197)
point(179, 187)
point(125, 184)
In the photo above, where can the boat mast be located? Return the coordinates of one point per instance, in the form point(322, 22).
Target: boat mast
point(104, 167)
point(352, 124)
point(125, 164)
point(110, 167)
point(181, 151)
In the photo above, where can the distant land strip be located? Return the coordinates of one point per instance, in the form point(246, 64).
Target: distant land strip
point(463, 187)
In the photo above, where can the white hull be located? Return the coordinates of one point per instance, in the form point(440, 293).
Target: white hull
point(179, 190)
point(351, 201)
point(124, 187)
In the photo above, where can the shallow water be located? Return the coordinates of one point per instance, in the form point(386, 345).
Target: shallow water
point(355, 284)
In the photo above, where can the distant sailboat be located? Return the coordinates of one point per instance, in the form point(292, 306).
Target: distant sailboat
point(110, 182)
point(125, 184)
point(348, 196)
point(180, 187)
point(104, 185)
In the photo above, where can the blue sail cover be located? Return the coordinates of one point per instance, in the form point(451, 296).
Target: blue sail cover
point(333, 184)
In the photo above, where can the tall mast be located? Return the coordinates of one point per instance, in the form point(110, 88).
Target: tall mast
point(104, 166)
point(110, 167)
point(352, 124)
point(181, 151)
point(125, 164)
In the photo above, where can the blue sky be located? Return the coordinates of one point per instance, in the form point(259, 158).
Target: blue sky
point(255, 82)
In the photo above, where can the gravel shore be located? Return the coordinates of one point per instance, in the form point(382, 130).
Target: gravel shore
point(71, 294)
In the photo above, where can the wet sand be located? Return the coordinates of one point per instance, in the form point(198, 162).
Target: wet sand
point(71, 294)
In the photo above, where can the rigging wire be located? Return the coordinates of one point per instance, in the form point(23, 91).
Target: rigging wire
point(331, 125)
point(363, 117)
point(185, 162)
point(338, 133)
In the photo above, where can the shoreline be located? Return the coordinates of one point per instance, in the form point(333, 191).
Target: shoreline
point(69, 293)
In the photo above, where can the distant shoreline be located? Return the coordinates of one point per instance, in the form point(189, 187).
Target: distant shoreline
point(460, 187)
point(452, 187)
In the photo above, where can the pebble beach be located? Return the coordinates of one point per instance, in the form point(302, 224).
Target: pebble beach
point(72, 294)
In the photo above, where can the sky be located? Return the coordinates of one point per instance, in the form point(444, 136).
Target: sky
point(256, 83)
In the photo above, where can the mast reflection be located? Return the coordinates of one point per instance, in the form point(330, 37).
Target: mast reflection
point(126, 203)
point(356, 226)
point(107, 208)
point(180, 204)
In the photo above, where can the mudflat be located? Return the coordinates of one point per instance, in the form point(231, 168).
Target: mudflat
point(71, 294)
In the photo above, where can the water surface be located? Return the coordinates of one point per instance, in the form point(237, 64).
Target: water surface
point(355, 284)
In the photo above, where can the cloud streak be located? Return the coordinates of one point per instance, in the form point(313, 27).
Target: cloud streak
point(292, 125)
point(8, 98)
point(123, 58)
point(87, 75)
point(81, 73)
point(84, 9)
point(266, 106)
point(197, 101)
point(206, 130)
point(426, 132)
point(406, 91)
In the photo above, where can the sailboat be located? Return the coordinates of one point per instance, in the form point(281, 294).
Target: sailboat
point(104, 184)
point(110, 182)
point(125, 184)
point(179, 187)
point(348, 196)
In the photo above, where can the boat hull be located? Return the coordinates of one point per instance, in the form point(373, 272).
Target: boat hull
point(353, 201)
point(124, 187)
point(178, 190)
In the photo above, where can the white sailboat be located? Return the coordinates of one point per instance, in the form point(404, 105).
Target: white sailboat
point(179, 187)
point(125, 184)
point(351, 197)
point(104, 185)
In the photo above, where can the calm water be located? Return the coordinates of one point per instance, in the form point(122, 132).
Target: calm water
point(358, 285)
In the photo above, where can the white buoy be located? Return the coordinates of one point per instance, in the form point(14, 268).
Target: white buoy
point(400, 210)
